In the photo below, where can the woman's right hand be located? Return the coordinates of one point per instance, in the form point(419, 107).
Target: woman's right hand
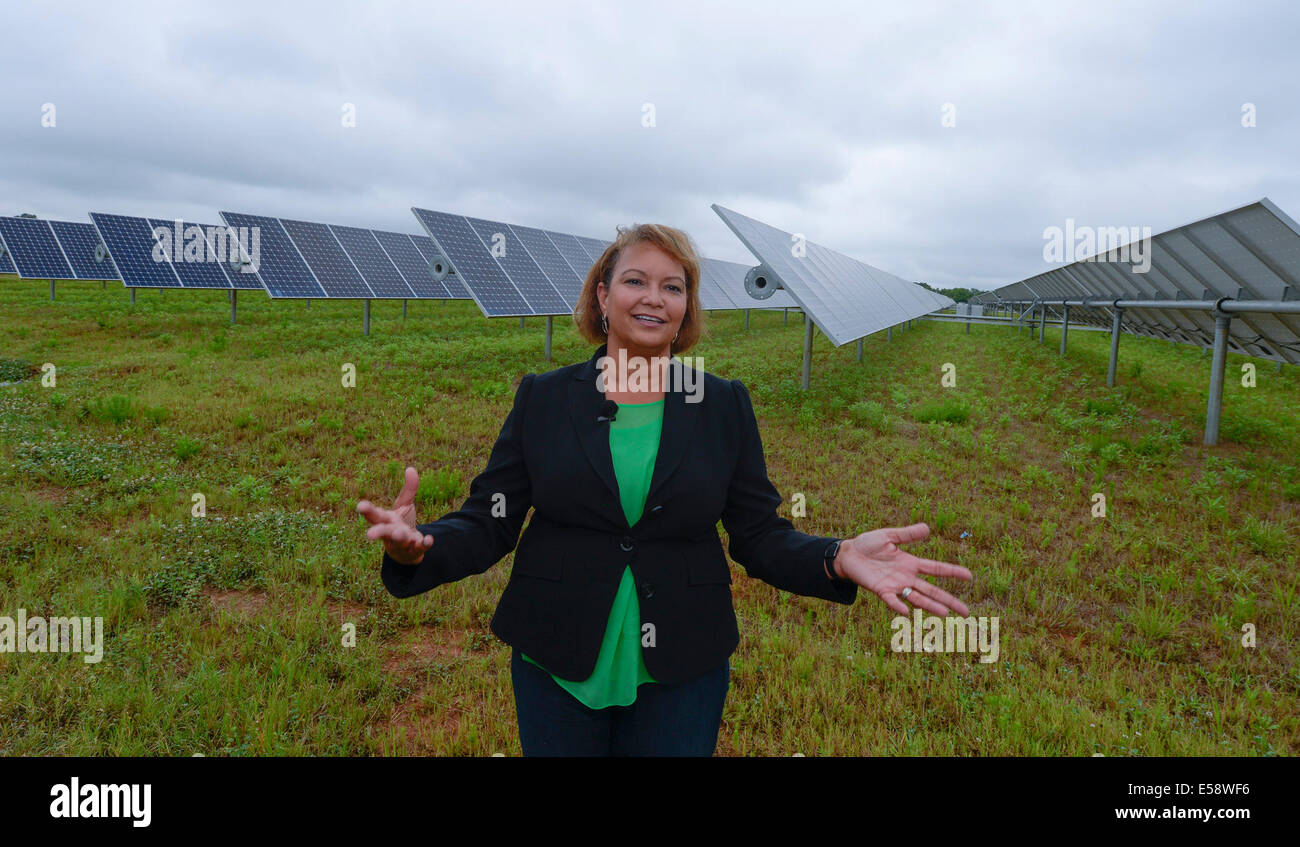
point(396, 526)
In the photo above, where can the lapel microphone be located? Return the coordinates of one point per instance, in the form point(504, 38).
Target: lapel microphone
point(608, 411)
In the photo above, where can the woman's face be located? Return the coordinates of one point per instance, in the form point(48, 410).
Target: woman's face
point(647, 284)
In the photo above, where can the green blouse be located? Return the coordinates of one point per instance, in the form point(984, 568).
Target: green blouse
point(620, 668)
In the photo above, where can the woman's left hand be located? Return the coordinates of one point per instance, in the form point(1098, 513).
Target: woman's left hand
point(874, 561)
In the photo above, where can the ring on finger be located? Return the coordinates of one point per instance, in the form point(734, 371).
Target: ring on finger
point(906, 591)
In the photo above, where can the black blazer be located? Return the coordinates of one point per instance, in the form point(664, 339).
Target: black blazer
point(552, 455)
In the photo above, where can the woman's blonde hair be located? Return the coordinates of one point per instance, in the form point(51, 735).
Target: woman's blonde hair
point(677, 245)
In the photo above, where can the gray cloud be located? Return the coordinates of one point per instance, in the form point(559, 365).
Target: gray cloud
point(819, 118)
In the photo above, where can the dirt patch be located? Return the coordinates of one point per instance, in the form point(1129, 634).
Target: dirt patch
point(342, 611)
point(244, 604)
point(423, 646)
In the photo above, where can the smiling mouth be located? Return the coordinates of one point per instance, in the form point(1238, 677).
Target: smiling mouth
point(649, 321)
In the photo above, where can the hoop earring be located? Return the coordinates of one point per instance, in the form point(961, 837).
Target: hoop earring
point(679, 332)
point(604, 324)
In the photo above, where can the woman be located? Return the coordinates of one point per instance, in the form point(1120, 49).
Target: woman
point(619, 606)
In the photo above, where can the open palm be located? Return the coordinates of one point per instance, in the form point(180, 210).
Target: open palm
point(874, 561)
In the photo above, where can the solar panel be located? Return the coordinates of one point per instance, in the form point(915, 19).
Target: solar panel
point(713, 293)
point(280, 267)
point(323, 254)
point(35, 250)
point(130, 241)
point(729, 277)
point(532, 283)
point(571, 249)
point(193, 256)
point(455, 288)
point(594, 246)
point(193, 263)
point(6, 263)
point(845, 298)
point(372, 262)
point(490, 286)
point(81, 246)
point(244, 277)
point(553, 264)
point(412, 265)
point(1248, 253)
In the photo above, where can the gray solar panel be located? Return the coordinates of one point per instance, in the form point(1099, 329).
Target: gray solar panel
point(713, 294)
point(35, 250)
point(82, 247)
point(1248, 253)
point(489, 284)
point(845, 298)
point(372, 262)
point(280, 267)
point(730, 280)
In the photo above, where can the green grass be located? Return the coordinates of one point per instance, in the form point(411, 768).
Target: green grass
point(1120, 635)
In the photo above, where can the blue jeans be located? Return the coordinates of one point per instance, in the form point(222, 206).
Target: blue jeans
point(664, 720)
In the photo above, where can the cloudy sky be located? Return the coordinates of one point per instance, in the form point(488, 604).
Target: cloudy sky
point(826, 119)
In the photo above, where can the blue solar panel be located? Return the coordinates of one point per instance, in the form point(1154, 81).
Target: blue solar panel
point(564, 278)
point(370, 259)
point(225, 243)
point(514, 259)
point(456, 289)
point(131, 243)
point(571, 249)
point(485, 279)
point(79, 242)
point(411, 263)
point(594, 246)
point(35, 251)
point(196, 266)
point(280, 267)
point(223, 247)
point(6, 263)
point(332, 267)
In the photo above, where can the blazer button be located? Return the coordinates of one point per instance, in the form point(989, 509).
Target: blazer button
point(656, 510)
point(627, 544)
point(647, 590)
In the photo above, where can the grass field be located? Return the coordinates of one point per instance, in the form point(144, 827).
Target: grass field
point(1119, 635)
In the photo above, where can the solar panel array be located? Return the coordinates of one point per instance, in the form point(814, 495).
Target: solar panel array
point(187, 256)
point(35, 248)
point(845, 298)
point(1248, 253)
point(302, 259)
point(513, 270)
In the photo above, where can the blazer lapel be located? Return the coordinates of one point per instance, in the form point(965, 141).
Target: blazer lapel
point(680, 417)
point(585, 400)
